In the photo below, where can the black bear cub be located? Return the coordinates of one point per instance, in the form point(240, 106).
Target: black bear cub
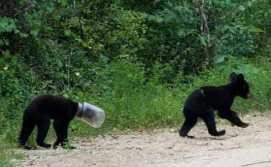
point(39, 113)
point(204, 101)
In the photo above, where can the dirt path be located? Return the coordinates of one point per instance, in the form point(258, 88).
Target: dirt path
point(250, 147)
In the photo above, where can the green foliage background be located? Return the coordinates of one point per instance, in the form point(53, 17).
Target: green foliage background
point(136, 59)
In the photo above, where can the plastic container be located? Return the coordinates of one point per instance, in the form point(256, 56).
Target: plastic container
point(92, 115)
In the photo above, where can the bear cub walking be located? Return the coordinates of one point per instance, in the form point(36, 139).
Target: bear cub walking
point(204, 101)
point(39, 113)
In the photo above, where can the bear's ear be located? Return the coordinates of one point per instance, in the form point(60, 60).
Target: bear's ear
point(233, 77)
point(240, 77)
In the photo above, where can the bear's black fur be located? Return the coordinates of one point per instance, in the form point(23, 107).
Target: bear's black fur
point(39, 113)
point(204, 101)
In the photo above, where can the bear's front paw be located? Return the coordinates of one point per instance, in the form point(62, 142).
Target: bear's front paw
point(243, 125)
point(221, 133)
point(44, 145)
point(26, 147)
point(217, 133)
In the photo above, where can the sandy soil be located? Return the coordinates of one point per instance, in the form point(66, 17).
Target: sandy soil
point(164, 148)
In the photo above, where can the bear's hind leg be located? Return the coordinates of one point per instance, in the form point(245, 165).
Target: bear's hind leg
point(209, 119)
point(188, 124)
point(43, 127)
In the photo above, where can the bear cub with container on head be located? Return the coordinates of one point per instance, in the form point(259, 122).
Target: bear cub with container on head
point(204, 101)
point(39, 113)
